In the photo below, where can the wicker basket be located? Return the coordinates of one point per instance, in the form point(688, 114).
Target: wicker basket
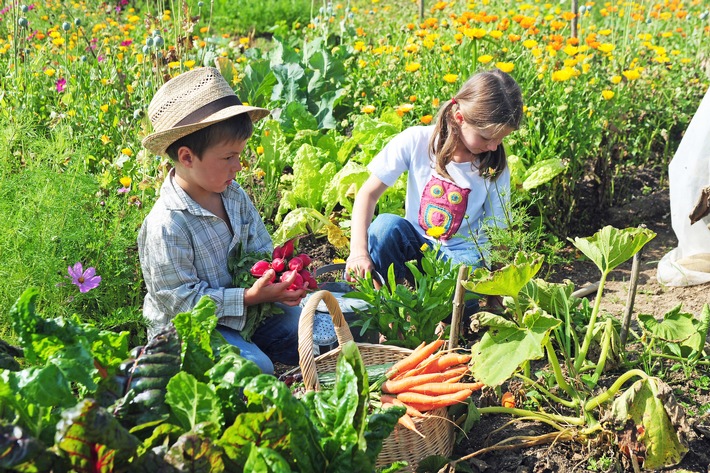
point(402, 444)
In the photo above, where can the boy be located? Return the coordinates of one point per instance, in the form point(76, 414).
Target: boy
point(202, 214)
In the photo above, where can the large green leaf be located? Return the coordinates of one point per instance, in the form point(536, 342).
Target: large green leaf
point(94, 440)
point(610, 247)
point(676, 326)
point(506, 346)
point(195, 331)
point(196, 454)
point(192, 402)
point(542, 172)
point(650, 415)
point(507, 281)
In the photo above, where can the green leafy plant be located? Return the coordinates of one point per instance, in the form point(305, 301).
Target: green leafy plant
point(184, 400)
point(528, 331)
point(408, 315)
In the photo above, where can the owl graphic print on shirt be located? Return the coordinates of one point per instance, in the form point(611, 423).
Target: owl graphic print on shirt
point(443, 205)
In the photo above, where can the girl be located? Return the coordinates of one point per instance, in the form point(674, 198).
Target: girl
point(457, 177)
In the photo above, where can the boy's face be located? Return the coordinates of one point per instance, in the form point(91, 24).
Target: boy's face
point(216, 170)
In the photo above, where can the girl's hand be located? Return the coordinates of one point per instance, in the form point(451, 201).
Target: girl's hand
point(357, 267)
point(264, 290)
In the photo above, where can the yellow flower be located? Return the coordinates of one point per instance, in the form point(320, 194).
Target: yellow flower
point(338, 260)
point(435, 232)
point(104, 108)
point(495, 34)
point(485, 59)
point(606, 47)
point(368, 109)
point(125, 181)
point(632, 74)
point(174, 64)
point(529, 43)
point(49, 72)
point(412, 67)
point(615, 79)
point(259, 149)
point(562, 75)
point(435, 102)
point(571, 50)
point(451, 78)
point(426, 119)
point(412, 98)
point(189, 63)
point(404, 108)
point(607, 94)
point(105, 139)
point(127, 152)
point(505, 66)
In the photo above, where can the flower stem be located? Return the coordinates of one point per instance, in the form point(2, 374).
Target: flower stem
point(542, 416)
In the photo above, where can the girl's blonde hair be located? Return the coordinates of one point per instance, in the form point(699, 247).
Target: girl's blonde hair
point(489, 101)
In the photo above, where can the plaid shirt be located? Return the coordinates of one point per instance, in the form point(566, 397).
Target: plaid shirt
point(183, 252)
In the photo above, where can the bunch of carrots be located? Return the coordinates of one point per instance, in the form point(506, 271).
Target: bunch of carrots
point(427, 379)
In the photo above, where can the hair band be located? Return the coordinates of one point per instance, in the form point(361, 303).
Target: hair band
point(453, 101)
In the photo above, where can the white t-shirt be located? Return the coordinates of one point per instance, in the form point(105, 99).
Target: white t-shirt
point(434, 201)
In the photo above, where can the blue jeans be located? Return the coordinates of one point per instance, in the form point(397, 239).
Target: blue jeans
point(391, 239)
point(275, 339)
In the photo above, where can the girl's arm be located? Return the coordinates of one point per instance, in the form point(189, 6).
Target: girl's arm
point(359, 261)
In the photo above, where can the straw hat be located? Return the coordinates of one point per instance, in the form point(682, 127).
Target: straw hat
point(189, 102)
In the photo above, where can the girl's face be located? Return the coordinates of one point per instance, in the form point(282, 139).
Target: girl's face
point(477, 141)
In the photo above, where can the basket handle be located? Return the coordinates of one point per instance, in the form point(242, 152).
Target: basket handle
point(305, 334)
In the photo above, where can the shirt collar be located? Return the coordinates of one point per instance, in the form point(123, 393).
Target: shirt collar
point(175, 197)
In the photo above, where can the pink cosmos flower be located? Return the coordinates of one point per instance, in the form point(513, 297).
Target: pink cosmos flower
point(84, 280)
point(61, 84)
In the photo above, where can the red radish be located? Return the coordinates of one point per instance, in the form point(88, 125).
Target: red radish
point(286, 275)
point(259, 268)
point(297, 283)
point(306, 259)
point(278, 264)
point(277, 253)
point(305, 274)
point(312, 283)
point(287, 249)
point(295, 264)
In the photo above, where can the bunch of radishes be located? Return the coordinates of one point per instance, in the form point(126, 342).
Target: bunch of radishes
point(285, 264)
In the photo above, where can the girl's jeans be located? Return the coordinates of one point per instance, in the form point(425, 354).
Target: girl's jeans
point(275, 339)
point(393, 240)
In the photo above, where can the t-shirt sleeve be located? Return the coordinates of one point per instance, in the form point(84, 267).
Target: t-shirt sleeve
point(395, 158)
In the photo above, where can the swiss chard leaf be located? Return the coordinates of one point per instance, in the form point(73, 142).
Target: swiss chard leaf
point(93, 440)
point(192, 402)
point(195, 329)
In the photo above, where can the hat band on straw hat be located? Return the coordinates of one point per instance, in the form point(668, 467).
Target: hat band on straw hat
point(206, 110)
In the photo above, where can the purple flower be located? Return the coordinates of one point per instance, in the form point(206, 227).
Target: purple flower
point(84, 280)
point(124, 190)
point(61, 84)
point(127, 42)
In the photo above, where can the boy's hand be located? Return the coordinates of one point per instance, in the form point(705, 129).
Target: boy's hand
point(266, 289)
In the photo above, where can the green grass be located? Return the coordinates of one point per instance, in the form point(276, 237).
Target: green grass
point(52, 216)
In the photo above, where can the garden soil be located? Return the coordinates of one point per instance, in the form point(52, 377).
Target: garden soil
point(652, 209)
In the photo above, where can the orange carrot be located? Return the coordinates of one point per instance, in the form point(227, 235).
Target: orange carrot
point(423, 402)
point(405, 421)
point(507, 399)
point(446, 361)
point(422, 352)
point(401, 385)
point(435, 389)
point(393, 400)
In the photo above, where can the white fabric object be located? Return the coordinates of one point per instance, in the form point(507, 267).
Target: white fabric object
point(689, 173)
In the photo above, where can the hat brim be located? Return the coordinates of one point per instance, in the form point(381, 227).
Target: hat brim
point(158, 142)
